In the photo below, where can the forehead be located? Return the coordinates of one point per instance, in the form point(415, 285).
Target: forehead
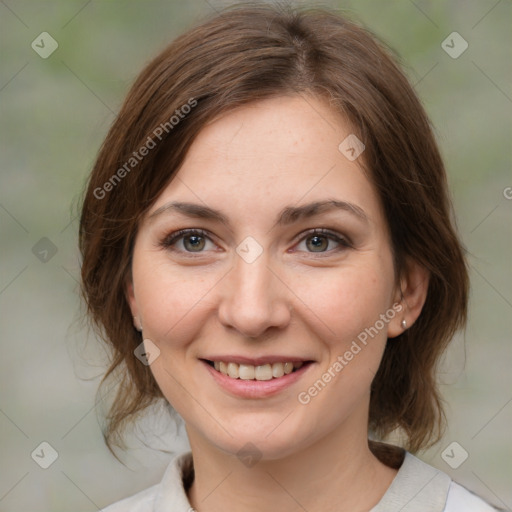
point(271, 153)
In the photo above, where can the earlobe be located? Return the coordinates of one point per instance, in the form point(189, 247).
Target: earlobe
point(129, 293)
point(411, 296)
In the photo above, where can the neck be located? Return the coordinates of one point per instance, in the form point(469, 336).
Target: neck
point(330, 475)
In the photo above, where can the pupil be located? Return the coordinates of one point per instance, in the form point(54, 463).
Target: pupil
point(317, 241)
point(195, 241)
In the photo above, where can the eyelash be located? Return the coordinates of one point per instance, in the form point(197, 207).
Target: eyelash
point(170, 240)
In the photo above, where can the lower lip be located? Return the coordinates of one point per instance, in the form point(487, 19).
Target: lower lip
point(256, 388)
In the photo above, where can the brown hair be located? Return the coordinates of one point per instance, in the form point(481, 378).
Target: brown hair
point(241, 55)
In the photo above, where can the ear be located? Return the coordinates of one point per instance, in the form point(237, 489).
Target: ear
point(411, 296)
point(129, 293)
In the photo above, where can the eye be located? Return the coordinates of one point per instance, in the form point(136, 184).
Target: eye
point(187, 240)
point(190, 241)
point(319, 240)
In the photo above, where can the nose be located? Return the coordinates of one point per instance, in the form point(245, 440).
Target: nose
point(254, 298)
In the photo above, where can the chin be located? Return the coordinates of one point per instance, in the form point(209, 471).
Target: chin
point(262, 439)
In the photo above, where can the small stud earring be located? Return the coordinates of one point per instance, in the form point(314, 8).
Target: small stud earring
point(404, 324)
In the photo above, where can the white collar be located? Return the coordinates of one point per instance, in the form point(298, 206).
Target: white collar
point(417, 487)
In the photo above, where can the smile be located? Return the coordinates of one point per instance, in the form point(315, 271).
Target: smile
point(256, 377)
point(262, 372)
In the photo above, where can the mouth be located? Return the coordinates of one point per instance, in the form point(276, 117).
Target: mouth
point(256, 377)
point(261, 372)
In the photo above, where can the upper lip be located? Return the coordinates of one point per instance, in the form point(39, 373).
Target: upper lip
point(256, 361)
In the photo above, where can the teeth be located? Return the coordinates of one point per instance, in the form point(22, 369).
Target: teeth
point(277, 370)
point(250, 372)
point(233, 370)
point(263, 372)
point(246, 371)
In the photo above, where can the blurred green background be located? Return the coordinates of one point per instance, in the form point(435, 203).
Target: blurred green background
point(54, 114)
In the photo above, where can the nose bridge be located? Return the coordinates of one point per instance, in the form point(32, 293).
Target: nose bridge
point(254, 298)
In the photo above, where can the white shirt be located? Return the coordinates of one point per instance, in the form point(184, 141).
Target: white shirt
point(417, 487)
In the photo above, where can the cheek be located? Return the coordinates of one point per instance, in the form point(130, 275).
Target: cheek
point(347, 308)
point(172, 305)
point(170, 301)
point(344, 302)
point(349, 305)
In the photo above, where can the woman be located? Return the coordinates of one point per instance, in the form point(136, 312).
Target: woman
point(267, 245)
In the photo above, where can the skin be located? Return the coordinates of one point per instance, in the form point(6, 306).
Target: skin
point(305, 296)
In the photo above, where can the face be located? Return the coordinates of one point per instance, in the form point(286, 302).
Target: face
point(268, 258)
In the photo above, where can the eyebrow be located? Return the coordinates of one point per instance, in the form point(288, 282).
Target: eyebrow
point(288, 215)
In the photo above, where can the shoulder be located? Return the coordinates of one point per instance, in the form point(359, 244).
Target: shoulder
point(141, 502)
point(459, 498)
point(169, 494)
point(456, 497)
point(419, 487)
